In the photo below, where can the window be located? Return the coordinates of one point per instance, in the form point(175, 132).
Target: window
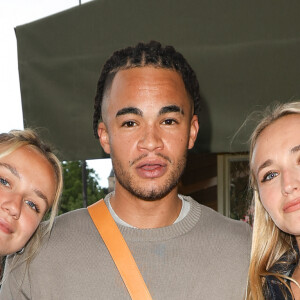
point(234, 196)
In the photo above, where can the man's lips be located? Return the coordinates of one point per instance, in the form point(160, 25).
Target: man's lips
point(5, 226)
point(151, 168)
point(292, 206)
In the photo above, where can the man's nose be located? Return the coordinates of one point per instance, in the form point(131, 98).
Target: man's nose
point(150, 139)
point(290, 180)
point(12, 204)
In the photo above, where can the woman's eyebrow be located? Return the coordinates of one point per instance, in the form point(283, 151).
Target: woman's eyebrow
point(267, 163)
point(42, 196)
point(16, 173)
point(295, 149)
point(11, 169)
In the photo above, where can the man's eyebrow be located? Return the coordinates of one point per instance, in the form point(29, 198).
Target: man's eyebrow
point(264, 165)
point(42, 196)
point(170, 108)
point(129, 110)
point(11, 169)
point(295, 149)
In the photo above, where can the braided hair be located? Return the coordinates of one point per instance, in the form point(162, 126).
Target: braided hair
point(141, 55)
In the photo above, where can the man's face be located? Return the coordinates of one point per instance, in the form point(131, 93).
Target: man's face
point(148, 127)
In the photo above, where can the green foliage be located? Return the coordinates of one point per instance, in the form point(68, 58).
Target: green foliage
point(72, 193)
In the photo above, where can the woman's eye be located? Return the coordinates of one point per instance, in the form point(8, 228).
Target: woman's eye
point(269, 176)
point(4, 182)
point(169, 122)
point(32, 205)
point(129, 124)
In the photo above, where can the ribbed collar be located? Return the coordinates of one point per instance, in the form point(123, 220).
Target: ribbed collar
point(163, 233)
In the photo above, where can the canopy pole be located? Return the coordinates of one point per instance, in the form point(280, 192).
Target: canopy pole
point(84, 183)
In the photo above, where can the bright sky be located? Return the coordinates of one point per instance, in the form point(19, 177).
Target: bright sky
point(12, 14)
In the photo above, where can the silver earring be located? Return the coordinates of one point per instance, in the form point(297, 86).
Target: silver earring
point(20, 252)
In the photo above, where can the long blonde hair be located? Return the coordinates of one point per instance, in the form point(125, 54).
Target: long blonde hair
point(15, 139)
point(269, 243)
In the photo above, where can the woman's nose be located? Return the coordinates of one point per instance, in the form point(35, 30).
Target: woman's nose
point(12, 204)
point(290, 181)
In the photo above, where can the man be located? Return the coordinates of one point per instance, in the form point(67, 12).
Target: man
point(146, 118)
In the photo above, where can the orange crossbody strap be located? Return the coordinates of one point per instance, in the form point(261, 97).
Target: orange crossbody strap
point(119, 251)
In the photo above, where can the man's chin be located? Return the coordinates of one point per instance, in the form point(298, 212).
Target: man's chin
point(148, 190)
point(151, 194)
point(150, 197)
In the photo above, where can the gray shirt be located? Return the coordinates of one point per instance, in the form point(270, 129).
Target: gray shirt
point(204, 256)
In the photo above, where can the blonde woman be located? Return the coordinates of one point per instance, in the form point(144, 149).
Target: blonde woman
point(30, 184)
point(274, 271)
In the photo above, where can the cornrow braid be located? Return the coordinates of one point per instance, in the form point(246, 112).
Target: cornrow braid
point(141, 55)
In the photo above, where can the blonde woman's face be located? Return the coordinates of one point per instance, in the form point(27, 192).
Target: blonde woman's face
point(27, 190)
point(276, 165)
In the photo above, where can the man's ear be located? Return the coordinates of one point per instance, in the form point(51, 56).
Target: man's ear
point(193, 131)
point(103, 137)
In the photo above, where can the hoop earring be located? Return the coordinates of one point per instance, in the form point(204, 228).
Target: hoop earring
point(20, 252)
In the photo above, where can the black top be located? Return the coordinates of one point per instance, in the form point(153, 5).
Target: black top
point(274, 288)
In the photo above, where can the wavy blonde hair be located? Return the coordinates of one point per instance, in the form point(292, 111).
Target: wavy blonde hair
point(269, 243)
point(13, 140)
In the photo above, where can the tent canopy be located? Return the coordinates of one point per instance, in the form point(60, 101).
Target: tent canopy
point(246, 56)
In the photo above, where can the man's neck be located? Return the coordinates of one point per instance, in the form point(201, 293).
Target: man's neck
point(146, 213)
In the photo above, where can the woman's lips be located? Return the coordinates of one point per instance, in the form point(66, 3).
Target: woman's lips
point(5, 226)
point(151, 169)
point(292, 206)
